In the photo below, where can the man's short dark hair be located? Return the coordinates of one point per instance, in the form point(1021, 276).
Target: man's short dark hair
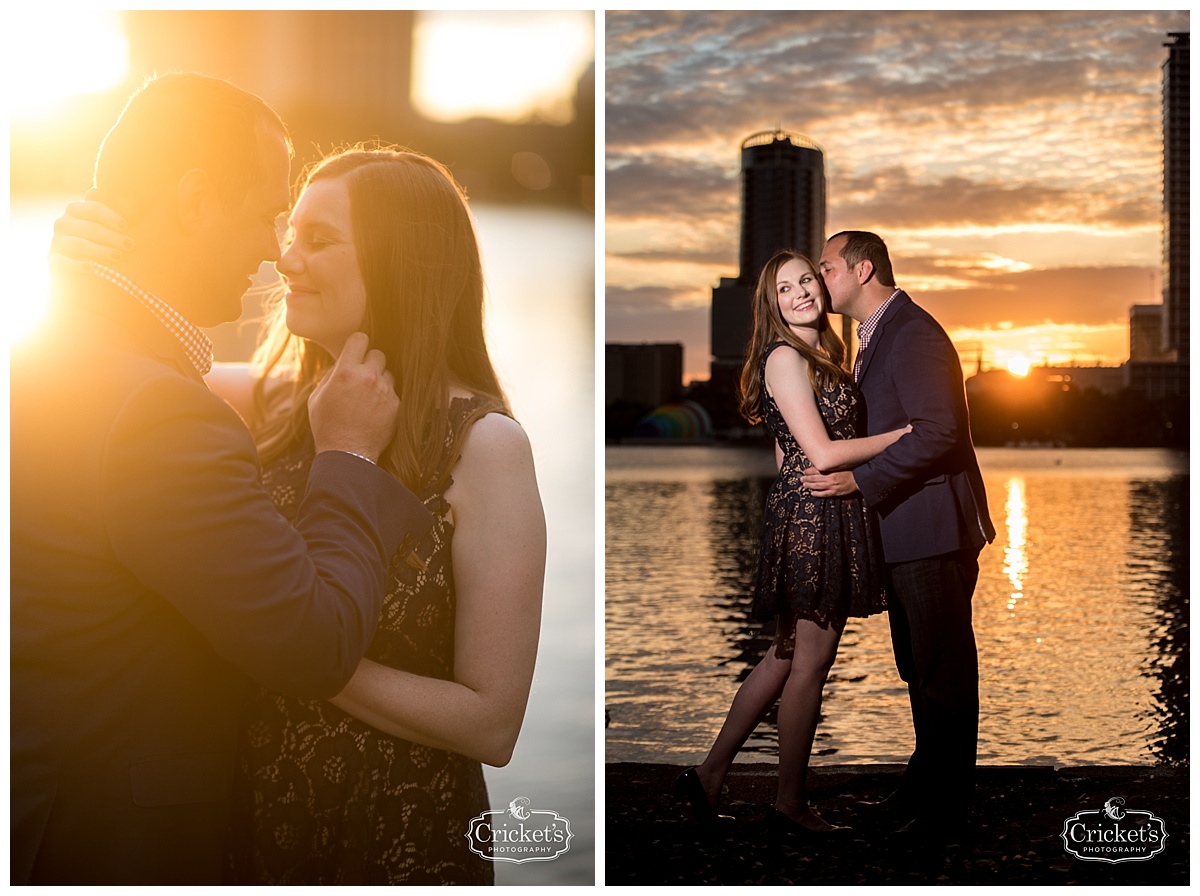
point(861, 245)
point(177, 122)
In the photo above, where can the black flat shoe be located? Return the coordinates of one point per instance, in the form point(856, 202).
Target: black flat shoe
point(785, 824)
point(689, 789)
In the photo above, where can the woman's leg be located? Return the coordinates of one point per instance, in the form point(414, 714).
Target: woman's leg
point(799, 710)
point(756, 695)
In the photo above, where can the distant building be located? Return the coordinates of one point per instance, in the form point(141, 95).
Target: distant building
point(1158, 379)
point(783, 207)
point(1176, 198)
point(1040, 380)
point(650, 374)
point(1146, 333)
point(1162, 371)
point(1109, 380)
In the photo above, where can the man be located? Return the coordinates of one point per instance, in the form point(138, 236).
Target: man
point(149, 567)
point(928, 495)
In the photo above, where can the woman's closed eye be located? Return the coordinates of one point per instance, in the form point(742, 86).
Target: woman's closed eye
point(308, 241)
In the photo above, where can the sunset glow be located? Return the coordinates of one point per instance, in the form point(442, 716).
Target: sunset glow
point(33, 280)
point(510, 66)
point(70, 73)
point(1015, 173)
point(59, 56)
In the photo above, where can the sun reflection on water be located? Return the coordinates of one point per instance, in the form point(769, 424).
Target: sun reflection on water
point(1016, 562)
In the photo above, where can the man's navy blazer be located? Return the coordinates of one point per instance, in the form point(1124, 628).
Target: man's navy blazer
point(926, 488)
point(150, 575)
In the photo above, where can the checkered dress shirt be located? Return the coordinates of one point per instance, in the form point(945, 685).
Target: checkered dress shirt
point(866, 330)
point(199, 347)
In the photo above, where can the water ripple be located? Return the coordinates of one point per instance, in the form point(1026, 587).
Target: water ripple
point(1080, 612)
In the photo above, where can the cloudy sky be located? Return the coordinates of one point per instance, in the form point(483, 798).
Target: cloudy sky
point(1012, 161)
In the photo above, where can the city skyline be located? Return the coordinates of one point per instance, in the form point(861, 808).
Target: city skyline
point(1016, 176)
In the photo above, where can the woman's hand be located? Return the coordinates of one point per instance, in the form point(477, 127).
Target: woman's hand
point(89, 231)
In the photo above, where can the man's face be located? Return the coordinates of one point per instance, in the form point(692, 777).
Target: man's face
point(241, 239)
point(840, 282)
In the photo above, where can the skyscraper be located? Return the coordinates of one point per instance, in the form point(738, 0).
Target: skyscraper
point(1176, 189)
point(1165, 373)
point(783, 207)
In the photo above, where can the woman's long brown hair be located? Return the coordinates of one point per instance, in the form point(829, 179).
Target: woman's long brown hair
point(825, 364)
point(421, 268)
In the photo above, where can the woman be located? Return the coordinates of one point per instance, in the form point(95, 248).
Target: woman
point(819, 559)
point(380, 784)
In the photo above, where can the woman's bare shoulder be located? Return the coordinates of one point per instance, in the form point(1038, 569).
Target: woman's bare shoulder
point(783, 354)
point(495, 469)
point(495, 435)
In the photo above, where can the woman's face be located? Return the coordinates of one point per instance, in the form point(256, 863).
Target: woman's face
point(326, 298)
point(800, 295)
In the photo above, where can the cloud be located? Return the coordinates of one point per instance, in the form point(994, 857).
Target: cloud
point(895, 196)
point(816, 66)
point(638, 300)
point(654, 184)
point(1085, 296)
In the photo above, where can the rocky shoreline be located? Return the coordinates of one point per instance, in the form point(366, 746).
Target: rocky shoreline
point(1015, 834)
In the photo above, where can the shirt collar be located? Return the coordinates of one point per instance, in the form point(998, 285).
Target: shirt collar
point(196, 345)
point(867, 327)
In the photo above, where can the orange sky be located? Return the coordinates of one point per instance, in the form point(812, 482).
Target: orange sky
point(1011, 160)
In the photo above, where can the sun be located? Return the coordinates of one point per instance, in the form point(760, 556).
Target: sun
point(1019, 365)
point(54, 57)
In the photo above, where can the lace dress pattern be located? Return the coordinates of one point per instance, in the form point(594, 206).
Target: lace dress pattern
point(820, 557)
point(323, 798)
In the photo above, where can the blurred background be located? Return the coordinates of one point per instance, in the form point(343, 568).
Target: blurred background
point(507, 101)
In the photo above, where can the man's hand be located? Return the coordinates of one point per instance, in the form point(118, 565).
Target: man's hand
point(828, 485)
point(88, 231)
point(354, 407)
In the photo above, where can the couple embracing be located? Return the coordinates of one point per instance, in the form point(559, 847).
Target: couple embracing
point(879, 502)
point(267, 622)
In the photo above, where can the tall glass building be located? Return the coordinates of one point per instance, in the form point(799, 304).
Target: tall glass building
point(783, 207)
point(1176, 187)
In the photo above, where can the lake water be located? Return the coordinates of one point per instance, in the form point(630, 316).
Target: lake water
point(540, 272)
point(1081, 612)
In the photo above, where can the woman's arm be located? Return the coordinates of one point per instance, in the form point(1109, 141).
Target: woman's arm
point(499, 556)
point(787, 380)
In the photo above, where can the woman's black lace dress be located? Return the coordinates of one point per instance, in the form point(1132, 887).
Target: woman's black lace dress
point(322, 798)
point(820, 557)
